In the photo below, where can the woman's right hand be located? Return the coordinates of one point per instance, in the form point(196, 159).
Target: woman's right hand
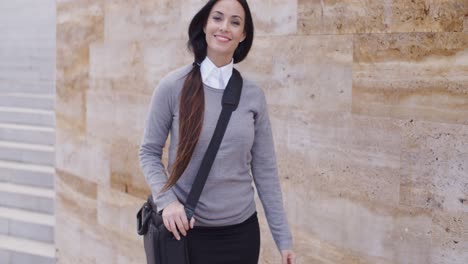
point(175, 219)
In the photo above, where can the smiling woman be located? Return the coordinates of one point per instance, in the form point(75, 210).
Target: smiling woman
point(187, 103)
point(224, 31)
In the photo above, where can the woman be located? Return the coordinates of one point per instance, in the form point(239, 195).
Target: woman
point(187, 104)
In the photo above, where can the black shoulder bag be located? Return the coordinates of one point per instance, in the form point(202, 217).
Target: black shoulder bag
point(160, 245)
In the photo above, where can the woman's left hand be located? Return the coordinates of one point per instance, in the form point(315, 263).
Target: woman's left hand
point(288, 257)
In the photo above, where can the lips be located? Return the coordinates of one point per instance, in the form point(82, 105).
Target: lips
point(222, 38)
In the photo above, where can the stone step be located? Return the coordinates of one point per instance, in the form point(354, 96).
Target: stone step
point(27, 86)
point(28, 62)
point(27, 197)
point(27, 153)
point(43, 48)
point(11, 52)
point(27, 116)
point(26, 224)
point(27, 134)
point(15, 250)
point(27, 100)
point(27, 174)
point(32, 73)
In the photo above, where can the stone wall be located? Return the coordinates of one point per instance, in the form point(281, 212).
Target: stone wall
point(369, 106)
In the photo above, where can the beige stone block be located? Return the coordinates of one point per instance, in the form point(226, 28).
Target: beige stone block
point(465, 24)
point(117, 120)
point(138, 20)
point(67, 238)
point(70, 108)
point(126, 259)
point(135, 66)
point(304, 72)
point(87, 157)
point(121, 246)
point(96, 243)
point(339, 230)
point(315, 250)
point(416, 184)
point(428, 16)
point(315, 73)
point(412, 76)
point(162, 57)
point(354, 16)
point(274, 17)
point(96, 252)
point(79, 23)
point(126, 174)
point(64, 257)
point(346, 156)
point(340, 183)
point(188, 11)
point(76, 197)
point(117, 212)
point(113, 115)
point(339, 17)
point(117, 61)
point(125, 249)
point(434, 166)
point(258, 65)
point(449, 237)
point(412, 235)
point(92, 248)
point(278, 118)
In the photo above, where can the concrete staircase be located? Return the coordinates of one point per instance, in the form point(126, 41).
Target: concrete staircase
point(27, 133)
point(27, 156)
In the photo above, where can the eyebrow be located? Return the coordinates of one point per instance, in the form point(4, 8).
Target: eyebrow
point(221, 13)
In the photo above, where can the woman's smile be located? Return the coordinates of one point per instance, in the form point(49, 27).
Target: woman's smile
point(222, 38)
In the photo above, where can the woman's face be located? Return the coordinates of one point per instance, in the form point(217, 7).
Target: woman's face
point(224, 29)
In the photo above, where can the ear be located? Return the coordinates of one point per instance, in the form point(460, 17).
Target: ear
point(243, 37)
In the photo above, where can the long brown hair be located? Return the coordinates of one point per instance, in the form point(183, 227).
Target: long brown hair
point(192, 98)
point(191, 114)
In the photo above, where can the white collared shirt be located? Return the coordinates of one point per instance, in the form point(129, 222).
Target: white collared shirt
point(215, 77)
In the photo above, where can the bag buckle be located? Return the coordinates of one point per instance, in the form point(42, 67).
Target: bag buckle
point(189, 213)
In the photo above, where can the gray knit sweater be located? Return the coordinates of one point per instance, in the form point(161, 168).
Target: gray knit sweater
point(245, 154)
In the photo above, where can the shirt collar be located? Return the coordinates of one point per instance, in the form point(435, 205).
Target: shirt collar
point(210, 73)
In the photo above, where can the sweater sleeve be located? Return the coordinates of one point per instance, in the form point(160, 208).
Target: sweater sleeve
point(157, 127)
point(265, 174)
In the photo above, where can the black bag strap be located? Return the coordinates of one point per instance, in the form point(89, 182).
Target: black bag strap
point(230, 101)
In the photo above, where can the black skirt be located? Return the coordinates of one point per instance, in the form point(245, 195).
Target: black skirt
point(235, 244)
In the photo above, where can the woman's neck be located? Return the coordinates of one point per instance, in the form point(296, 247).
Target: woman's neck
point(219, 60)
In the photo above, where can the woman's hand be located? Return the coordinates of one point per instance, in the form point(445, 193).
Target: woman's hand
point(175, 219)
point(288, 257)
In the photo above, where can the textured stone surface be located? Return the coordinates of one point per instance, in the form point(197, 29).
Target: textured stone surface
point(79, 23)
point(434, 166)
point(416, 75)
point(355, 16)
point(370, 129)
point(300, 79)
